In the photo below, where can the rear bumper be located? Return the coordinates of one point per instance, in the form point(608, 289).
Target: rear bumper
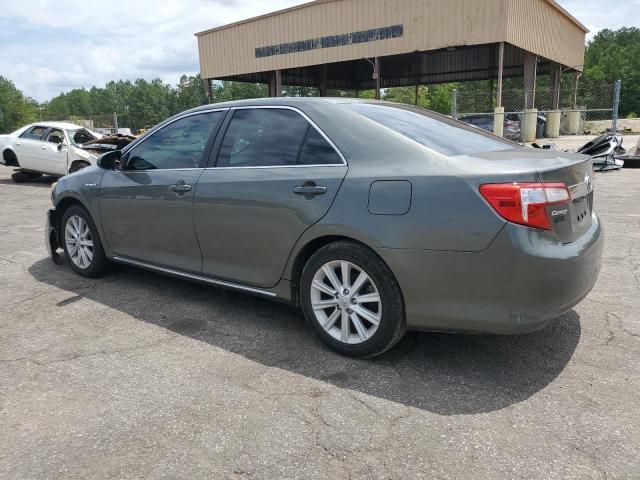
point(517, 285)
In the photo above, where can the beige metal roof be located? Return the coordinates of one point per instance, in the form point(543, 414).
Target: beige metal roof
point(330, 31)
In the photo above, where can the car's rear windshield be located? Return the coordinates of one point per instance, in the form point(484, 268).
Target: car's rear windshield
point(437, 132)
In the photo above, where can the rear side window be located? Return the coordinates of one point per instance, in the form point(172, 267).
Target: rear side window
point(263, 137)
point(34, 133)
point(317, 151)
point(180, 144)
point(272, 137)
point(437, 132)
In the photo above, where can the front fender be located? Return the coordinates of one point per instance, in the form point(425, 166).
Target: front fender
point(82, 187)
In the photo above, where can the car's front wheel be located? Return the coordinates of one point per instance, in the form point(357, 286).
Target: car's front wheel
point(352, 300)
point(81, 243)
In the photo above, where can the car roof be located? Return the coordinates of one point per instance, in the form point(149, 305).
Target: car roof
point(285, 101)
point(63, 125)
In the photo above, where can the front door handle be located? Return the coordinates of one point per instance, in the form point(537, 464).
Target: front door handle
point(180, 187)
point(310, 189)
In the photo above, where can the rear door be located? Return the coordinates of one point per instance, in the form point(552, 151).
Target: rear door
point(27, 148)
point(276, 174)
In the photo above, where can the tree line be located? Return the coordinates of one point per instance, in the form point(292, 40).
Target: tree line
point(611, 55)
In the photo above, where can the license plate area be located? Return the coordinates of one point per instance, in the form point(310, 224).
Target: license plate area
point(580, 210)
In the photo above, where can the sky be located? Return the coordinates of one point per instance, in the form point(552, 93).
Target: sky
point(52, 46)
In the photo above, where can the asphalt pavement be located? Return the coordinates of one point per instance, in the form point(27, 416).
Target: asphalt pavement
point(138, 375)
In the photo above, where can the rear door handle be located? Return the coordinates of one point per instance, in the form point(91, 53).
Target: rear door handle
point(310, 190)
point(180, 187)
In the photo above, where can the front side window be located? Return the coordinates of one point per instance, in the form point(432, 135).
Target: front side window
point(437, 132)
point(177, 145)
point(34, 133)
point(263, 138)
point(55, 135)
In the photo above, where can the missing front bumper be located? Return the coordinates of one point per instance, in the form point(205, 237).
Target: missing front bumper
point(52, 237)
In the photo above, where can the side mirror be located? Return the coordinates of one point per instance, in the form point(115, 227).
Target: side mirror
point(110, 160)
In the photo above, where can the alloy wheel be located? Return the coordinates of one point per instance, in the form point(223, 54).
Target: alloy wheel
point(346, 302)
point(77, 236)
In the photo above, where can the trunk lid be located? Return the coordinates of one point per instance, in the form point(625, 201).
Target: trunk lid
point(569, 220)
point(576, 173)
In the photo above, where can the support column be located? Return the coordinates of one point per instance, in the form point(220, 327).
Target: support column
point(553, 117)
point(322, 83)
point(416, 67)
point(275, 84)
point(554, 77)
point(530, 71)
point(207, 82)
point(500, 74)
point(376, 77)
point(530, 116)
point(573, 121)
point(573, 116)
point(498, 121)
point(553, 124)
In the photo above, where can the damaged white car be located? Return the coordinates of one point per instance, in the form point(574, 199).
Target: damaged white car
point(52, 148)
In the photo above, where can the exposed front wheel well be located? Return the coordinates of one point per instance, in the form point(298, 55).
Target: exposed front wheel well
point(78, 165)
point(305, 254)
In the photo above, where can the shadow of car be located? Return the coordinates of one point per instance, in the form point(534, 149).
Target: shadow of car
point(442, 373)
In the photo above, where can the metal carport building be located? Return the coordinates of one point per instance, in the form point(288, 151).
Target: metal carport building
point(373, 44)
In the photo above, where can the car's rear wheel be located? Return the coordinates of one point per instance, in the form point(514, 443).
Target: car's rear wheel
point(81, 243)
point(22, 177)
point(352, 300)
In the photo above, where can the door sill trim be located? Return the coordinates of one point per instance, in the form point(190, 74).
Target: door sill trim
point(192, 276)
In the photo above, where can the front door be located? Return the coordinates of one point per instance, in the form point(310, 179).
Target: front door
point(53, 152)
point(147, 207)
point(275, 176)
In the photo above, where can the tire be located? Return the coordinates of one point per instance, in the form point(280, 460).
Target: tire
point(361, 338)
point(22, 177)
point(76, 218)
point(77, 166)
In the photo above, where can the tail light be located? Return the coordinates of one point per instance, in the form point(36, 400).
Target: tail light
point(525, 203)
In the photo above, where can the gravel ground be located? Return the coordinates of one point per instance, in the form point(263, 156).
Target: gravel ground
point(137, 375)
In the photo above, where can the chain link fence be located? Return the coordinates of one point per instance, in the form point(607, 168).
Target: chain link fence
point(588, 110)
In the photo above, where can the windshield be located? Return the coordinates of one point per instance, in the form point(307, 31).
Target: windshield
point(80, 136)
point(437, 132)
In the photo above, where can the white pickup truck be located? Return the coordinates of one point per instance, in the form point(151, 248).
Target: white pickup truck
point(52, 148)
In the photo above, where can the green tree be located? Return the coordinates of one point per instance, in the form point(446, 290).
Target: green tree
point(16, 110)
point(191, 92)
point(227, 91)
point(615, 55)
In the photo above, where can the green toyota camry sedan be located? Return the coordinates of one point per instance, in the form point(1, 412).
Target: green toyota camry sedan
point(372, 217)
